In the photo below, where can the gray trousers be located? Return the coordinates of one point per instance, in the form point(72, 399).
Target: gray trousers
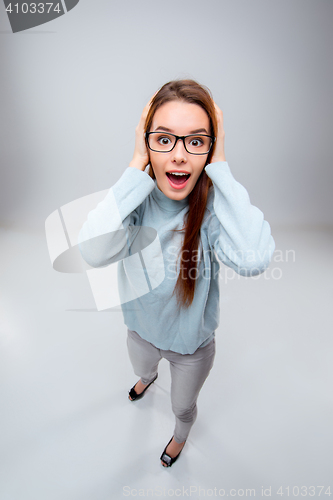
point(188, 374)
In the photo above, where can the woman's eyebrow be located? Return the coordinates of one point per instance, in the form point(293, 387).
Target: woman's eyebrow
point(165, 129)
point(197, 131)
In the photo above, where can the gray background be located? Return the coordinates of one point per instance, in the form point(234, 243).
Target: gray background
point(72, 92)
point(71, 98)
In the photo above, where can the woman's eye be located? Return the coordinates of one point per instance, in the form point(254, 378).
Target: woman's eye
point(164, 141)
point(196, 142)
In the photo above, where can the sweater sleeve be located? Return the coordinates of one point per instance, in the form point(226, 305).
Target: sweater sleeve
point(110, 229)
point(237, 230)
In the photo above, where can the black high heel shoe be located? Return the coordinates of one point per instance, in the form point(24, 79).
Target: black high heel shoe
point(168, 461)
point(135, 396)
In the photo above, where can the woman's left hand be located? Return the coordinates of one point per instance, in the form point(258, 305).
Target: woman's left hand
point(219, 146)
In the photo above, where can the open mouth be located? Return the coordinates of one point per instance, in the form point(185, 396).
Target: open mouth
point(178, 180)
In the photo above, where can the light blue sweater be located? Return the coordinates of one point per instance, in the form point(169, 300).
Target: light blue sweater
point(233, 230)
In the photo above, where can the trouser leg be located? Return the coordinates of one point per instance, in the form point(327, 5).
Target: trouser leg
point(144, 357)
point(188, 374)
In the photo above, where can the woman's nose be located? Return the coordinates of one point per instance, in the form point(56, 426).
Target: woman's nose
point(179, 152)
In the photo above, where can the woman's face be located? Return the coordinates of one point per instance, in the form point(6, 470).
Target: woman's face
point(179, 118)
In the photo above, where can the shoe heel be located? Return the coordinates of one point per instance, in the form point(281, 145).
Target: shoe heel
point(134, 396)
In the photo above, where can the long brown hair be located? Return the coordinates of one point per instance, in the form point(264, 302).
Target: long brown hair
point(188, 91)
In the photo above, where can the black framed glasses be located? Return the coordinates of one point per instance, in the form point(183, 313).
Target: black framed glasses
point(195, 144)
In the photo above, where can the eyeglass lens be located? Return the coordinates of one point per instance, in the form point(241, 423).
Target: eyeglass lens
point(196, 144)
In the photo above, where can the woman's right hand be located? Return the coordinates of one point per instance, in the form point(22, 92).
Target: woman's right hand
point(141, 157)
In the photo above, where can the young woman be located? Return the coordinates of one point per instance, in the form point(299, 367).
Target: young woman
point(199, 211)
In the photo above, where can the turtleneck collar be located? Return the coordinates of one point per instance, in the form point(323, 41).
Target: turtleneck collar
point(167, 203)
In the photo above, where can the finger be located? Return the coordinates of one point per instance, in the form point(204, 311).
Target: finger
point(218, 110)
point(219, 116)
point(147, 106)
point(145, 111)
point(152, 97)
